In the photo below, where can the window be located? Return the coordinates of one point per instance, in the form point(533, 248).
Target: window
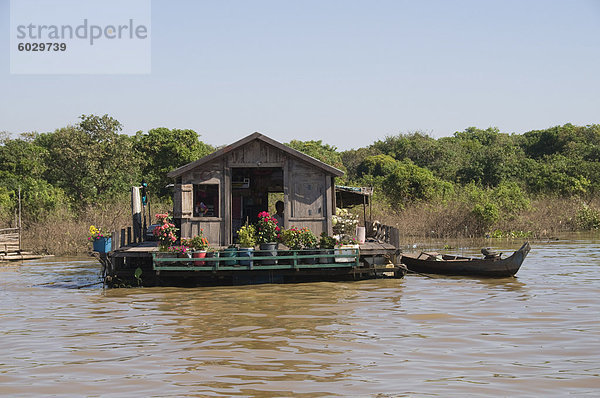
point(206, 200)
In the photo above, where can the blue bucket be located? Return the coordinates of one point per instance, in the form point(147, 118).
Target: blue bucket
point(102, 245)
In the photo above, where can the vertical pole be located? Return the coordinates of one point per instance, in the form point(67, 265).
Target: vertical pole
point(365, 210)
point(227, 205)
point(371, 207)
point(287, 195)
point(145, 227)
point(149, 216)
point(19, 219)
point(113, 241)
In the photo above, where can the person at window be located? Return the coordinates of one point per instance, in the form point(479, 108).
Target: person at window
point(279, 215)
point(201, 209)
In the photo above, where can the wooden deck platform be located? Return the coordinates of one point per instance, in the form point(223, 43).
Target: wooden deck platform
point(10, 246)
point(21, 256)
point(372, 260)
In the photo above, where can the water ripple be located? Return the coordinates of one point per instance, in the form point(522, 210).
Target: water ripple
point(443, 336)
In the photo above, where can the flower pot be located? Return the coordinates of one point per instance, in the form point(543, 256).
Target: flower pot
point(199, 254)
point(326, 260)
point(229, 252)
point(345, 250)
point(246, 252)
point(211, 254)
point(184, 255)
point(281, 252)
point(307, 252)
point(268, 250)
point(102, 245)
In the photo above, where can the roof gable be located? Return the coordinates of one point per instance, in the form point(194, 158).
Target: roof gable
point(255, 136)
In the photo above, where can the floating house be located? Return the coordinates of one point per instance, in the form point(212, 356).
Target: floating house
point(222, 191)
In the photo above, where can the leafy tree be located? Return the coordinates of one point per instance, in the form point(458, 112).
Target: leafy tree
point(510, 198)
point(377, 166)
point(489, 157)
point(6, 204)
point(540, 143)
point(353, 158)
point(323, 152)
point(22, 165)
point(21, 157)
point(402, 181)
point(91, 161)
point(439, 156)
point(164, 150)
point(559, 175)
point(409, 182)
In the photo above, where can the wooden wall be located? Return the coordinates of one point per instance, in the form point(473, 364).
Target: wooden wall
point(308, 197)
point(256, 154)
point(183, 203)
point(308, 192)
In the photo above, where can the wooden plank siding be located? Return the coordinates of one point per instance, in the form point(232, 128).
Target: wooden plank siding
point(211, 229)
point(10, 240)
point(256, 153)
point(310, 197)
point(307, 187)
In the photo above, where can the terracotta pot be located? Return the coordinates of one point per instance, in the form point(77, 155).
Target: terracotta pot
point(199, 254)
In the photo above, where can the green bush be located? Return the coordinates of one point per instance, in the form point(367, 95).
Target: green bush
point(587, 218)
point(510, 198)
point(402, 181)
point(486, 214)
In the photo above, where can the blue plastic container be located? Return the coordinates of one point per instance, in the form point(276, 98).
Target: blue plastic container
point(246, 252)
point(102, 245)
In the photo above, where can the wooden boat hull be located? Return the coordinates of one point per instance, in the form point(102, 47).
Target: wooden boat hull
point(454, 265)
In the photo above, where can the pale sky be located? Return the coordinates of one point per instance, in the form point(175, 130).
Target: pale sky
point(347, 72)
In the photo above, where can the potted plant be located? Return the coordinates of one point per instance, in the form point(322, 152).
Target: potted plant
point(326, 244)
point(344, 222)
point(165, 232)
point(199, 244)
point(100, 241)
point(347, 246)
point(309, 242)
point(247, 239)
point(180, 251)
point(230, 251)
point(267, 232)
point(211, 252)
point(292, 238)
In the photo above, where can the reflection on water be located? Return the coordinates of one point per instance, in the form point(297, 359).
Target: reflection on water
point(447, 336)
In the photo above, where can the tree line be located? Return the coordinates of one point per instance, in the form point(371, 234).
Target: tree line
point(497, 174)
point(89, 163)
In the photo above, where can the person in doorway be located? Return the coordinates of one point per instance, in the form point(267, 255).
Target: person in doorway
point(279, 213)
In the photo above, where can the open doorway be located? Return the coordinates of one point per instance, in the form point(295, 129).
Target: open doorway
point(253, 189)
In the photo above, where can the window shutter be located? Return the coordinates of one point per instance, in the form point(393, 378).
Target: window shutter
point(183, 201)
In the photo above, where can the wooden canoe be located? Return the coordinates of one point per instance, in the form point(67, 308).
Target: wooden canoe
point(433, 263)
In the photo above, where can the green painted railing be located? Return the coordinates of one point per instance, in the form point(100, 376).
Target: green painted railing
point(300, 259)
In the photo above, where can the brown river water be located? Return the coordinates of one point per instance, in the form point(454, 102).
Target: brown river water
point(534, 335)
